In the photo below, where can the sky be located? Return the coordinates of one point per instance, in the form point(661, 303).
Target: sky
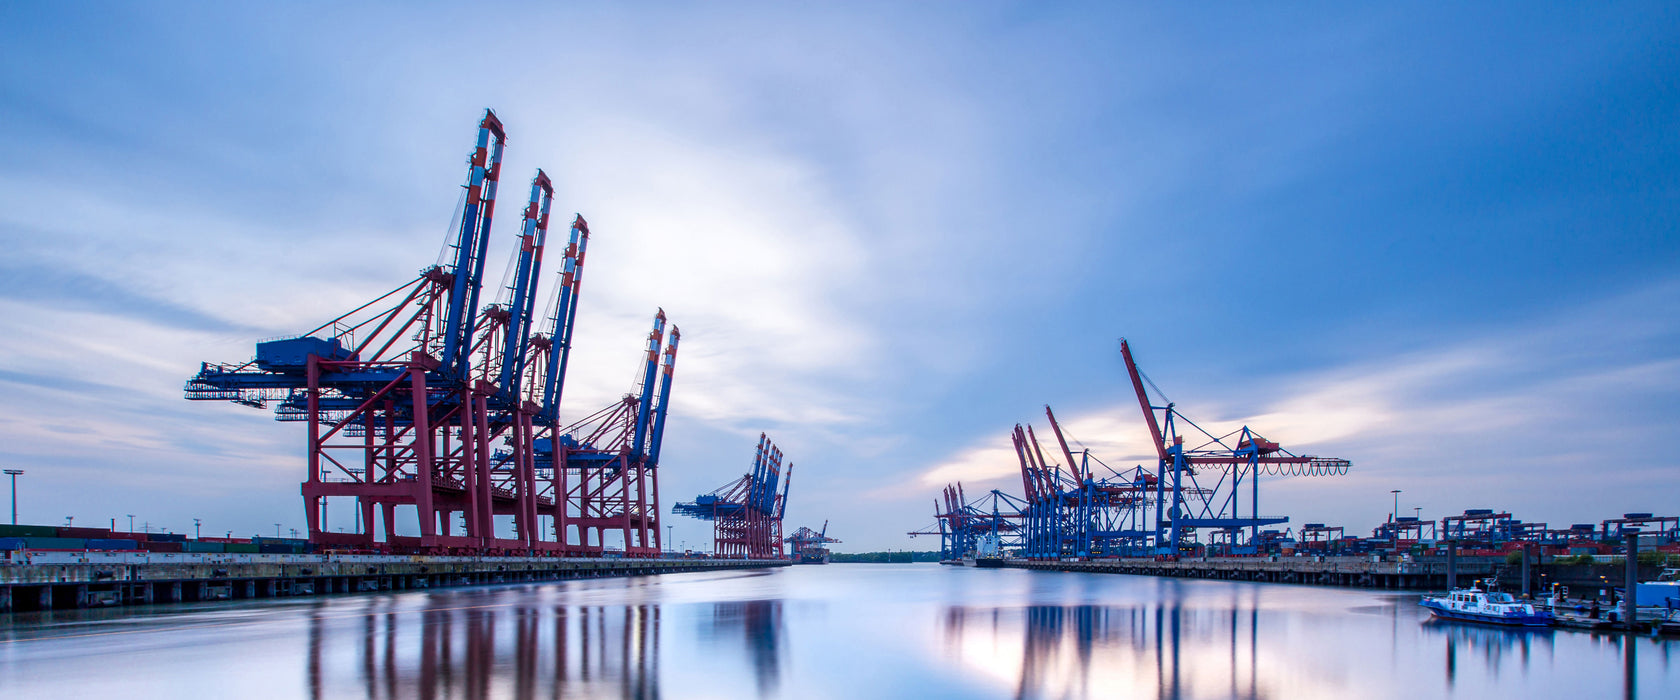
point(1442, 242)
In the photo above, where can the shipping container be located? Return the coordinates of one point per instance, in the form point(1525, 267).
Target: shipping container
point(279, 548)
point(86, 533)
point(162, 546)
point(280, 540)
point(109, 545)
point(240, 548)
point(204, 547)
point(8, 544)
point(28, 531)
point(165, 537)
point(54, 543)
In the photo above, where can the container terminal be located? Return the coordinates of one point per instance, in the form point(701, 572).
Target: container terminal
point(428, 414)
point(1197, 514)
point(433, 434)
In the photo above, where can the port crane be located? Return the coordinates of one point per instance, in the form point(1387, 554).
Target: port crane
point(1227, 462)
point(992, 521)
point(746, 513)
point(420, 398)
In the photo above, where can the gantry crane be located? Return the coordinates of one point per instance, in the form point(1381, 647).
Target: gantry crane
point(420, 398)
point(746, 513)
point(1232, 459)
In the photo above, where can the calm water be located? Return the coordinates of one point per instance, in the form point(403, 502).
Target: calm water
point(837, 631)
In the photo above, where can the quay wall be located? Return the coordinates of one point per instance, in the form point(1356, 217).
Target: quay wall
point(1419, 573)
point(47, 580)
point(1363, 572)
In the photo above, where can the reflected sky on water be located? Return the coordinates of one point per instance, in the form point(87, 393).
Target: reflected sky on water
point(836, 631)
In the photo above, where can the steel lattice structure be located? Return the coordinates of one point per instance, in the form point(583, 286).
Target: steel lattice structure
point(1232, 459)
point(990, 524)
point(746, 514)
point(421, 399)
point(808, 544)
point(1069, 510)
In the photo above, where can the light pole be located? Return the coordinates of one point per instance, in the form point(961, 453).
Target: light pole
point(669, 545)
point(130, 522)
point(1394, 518)
point(277, 530)
point(197, 526)
point(14, 473)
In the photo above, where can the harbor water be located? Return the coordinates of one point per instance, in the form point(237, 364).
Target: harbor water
point(835, 631)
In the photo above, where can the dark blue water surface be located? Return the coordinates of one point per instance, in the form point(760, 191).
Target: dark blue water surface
point(836, 631)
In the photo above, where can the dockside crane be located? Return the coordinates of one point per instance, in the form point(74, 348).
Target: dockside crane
point(1239, 456)
point(746, 514)
point(992, 522)
point(421, 398)
point(807, 544)
point(606, 465)
point(386, 393)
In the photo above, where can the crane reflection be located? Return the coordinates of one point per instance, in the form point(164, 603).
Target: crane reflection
point(483, 648)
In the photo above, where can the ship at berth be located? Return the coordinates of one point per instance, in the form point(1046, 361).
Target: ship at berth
point(1476, 605)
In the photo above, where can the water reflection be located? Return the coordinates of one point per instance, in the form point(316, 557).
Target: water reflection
point(471, 651)
point(759, 622)
point(868, 631)
point(1095, 651)
point(1495, 645)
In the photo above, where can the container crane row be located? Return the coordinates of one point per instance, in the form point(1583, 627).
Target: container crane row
point(421, 399)
point(746, 514)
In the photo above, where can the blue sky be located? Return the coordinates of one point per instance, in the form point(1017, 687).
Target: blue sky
point(1440, 242)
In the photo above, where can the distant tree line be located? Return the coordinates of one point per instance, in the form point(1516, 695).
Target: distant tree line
point(882, 557)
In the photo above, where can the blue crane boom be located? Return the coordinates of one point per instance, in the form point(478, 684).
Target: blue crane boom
point(533, 233)
point(661, 410)
point(649, 382)
point(468, 269)
point(563, 320)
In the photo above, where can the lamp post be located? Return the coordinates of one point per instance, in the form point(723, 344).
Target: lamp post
point(1394, 520)
point(14, 473)
point(197, 527)
point(130, 522)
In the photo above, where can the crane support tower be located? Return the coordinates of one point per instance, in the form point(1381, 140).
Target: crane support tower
point(422, 400)
point(746, 513)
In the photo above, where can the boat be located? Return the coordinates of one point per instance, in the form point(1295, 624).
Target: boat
point(1476, 605)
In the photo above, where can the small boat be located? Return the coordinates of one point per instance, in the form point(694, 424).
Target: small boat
point(1476, 605)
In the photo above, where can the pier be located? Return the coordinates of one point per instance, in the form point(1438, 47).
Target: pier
point(49, 580)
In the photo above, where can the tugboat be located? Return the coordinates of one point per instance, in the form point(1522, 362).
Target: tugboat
point(1476, 605)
